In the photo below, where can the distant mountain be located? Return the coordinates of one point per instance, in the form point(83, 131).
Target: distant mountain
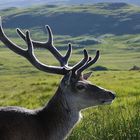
point(136, 2)
point(26, 3)
point(97, 19)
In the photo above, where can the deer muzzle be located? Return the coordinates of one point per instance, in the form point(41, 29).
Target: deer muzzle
point(109, 100)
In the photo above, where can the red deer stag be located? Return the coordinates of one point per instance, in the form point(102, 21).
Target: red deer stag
point(56, 120)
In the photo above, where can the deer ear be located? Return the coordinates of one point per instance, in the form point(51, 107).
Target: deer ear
point(87, 75)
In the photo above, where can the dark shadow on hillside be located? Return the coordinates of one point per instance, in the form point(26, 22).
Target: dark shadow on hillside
point(76, 24)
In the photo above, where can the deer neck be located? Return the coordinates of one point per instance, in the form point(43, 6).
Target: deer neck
point(60, 115)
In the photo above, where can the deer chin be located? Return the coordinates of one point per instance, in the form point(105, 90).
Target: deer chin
point(105, 102)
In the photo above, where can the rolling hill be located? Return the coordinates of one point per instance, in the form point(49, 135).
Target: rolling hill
point(27, 3)
point(97, 19)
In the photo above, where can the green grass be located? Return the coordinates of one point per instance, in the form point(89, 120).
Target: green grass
point(23, 85)
point(118, 121)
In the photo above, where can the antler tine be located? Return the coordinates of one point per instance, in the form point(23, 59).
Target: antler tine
point(50, 39)
point(82, 62)
point(89, 63)
point(21, 34)
point(89, 59)
point(63, 60)
point(30, 49)
point(68, 54)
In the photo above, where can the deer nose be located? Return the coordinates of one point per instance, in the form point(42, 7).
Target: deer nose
point(112, 94)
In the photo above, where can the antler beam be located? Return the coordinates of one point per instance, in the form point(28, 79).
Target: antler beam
point(29, 54)
point(63, 60)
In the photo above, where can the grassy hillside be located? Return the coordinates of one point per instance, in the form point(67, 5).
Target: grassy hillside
point(94, 19)
point(112, 29)
point(23, 85)
point(27, 3)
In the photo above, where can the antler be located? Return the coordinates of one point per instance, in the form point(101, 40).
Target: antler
point(29, 54)
point(90, 62)
point(63, 60)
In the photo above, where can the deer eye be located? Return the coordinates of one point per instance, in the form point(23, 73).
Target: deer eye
point(80, 87)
